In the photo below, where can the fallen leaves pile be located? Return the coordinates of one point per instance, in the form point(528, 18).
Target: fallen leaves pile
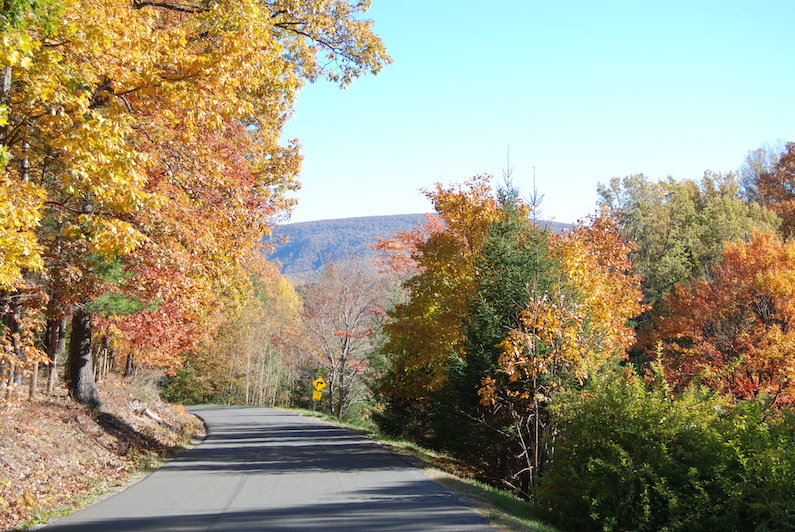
point(56, 454)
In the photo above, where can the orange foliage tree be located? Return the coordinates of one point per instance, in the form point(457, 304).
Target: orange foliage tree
point(499, 314)
point(424, 332)
point(734, 331)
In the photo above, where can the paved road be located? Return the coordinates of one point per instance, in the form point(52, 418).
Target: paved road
point(265, 469)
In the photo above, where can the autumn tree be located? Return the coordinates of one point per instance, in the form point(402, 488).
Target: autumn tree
point(461, 347)
point(679, 227)
point(21, 204)
point(733, 331)
point(251, 360)
point(122, 113)
point(513, 264)
point(574, 322)
point(343, 310)
point(424, 332)
point(775, 188)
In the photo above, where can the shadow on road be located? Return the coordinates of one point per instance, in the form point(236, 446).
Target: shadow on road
point(396, 508)
point(261, 469)
point(284, 448)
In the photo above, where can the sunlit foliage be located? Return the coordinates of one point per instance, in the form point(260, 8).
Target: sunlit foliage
point(734, 331)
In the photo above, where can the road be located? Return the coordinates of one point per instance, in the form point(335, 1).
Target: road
point(266, 469)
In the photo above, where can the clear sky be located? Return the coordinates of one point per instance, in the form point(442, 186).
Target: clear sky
point(582, 91)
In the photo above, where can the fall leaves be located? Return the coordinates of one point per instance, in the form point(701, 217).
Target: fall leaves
point(734, 331)
point(148, 135)
point(715, 274)
point(502, 318)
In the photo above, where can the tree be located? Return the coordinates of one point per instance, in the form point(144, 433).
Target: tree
point(734, 331)
point(120, 113)
point(678, 227)
point(758, 162)
point(425, 332)
point(499, 312)
point(776, 188)
point(342, 312)
point(21, 205)
point(252, 359)
point(80, 371)
point(514, 265)
point(574, 322)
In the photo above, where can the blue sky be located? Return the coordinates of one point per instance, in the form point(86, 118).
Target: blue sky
point(581, 91)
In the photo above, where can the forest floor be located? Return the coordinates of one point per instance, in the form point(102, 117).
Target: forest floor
point(56, 455)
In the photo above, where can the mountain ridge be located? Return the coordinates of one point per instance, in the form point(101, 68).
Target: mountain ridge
point(304, 248)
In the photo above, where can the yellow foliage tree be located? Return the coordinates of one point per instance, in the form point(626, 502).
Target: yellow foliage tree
point(119, 118)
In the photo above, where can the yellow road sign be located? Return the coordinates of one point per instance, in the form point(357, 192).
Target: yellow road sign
point(317, 395)
point(319, 384)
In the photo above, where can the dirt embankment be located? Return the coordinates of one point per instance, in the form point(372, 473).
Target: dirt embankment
point(56, 454)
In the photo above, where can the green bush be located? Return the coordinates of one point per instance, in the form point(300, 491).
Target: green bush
point(629, 456)
point(765, 443)
point(184, 388)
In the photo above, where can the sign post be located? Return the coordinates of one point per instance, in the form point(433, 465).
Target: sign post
point(317, 395)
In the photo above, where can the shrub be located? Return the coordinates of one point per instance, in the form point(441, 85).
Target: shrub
point(632, 456)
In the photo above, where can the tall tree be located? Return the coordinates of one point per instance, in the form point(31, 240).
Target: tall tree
point(425, 332)
point(342, 312)
point(574, 322)
point(462, 347)
point(123, 112)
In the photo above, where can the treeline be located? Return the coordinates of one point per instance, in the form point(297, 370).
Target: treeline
point(634, 373)
point(141, 167)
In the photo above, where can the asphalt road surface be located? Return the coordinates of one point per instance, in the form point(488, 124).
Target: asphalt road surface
point(265, 469)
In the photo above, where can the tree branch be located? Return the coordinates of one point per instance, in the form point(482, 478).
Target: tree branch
point(182, 8)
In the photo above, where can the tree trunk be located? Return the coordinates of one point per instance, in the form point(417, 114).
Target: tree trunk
point(34, 381)
point(82, 387)
point(57, 346)
point(129, 366)
point(15, 376)
point(341, 386)
point(248, 375)
point(5, 381)
point(5, 99)
point(102, 357)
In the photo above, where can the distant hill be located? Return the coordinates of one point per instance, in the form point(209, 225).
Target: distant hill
point(311, 245)
point(303, 248)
